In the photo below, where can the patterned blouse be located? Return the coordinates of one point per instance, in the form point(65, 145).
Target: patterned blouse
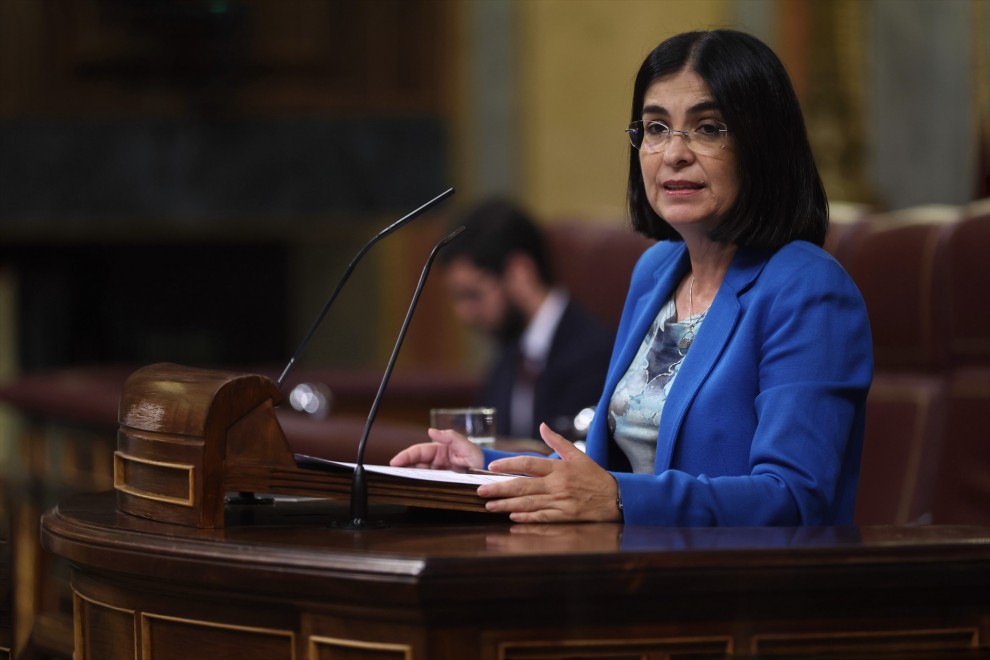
point(637, 404)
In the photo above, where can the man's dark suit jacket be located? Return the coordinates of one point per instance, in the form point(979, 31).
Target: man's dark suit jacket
point(572, 378)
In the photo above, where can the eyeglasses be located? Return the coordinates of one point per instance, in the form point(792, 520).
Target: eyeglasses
point(705, 139)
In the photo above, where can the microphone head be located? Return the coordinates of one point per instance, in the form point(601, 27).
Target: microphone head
point(347, 273)
point(452, 235)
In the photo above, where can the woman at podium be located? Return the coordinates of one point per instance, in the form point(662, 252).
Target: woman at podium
point(737, 385)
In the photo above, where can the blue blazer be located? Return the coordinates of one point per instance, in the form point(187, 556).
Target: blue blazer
point(764, 422)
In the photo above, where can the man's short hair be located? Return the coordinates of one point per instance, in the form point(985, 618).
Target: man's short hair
point(494, 230)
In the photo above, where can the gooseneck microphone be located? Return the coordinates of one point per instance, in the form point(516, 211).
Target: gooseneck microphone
point(347, 273)
point(359, 487)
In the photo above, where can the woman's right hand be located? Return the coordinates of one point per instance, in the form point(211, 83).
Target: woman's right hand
point(449, 451)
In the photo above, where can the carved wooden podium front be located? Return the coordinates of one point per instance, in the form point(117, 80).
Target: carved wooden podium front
point(189, 436)
point(433, 586)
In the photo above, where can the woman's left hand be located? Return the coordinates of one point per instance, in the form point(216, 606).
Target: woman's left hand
point(573, 488)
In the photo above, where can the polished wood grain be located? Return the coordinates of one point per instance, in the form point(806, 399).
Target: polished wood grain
point(189, 436)
point(433, 584)
point(170, 567)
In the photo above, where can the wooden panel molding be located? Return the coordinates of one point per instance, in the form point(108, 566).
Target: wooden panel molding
point(425, 585)
point(174, 482)
point(618, 649)
point(103, 631)
point(330, 648)
point(879, 642)
point(176, 637)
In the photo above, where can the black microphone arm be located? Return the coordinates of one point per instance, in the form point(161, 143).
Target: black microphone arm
point(347, 273)
point(359, 487)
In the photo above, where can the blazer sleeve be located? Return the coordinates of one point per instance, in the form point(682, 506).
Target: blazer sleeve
point(765, 425)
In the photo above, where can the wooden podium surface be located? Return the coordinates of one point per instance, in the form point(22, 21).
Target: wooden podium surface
point(278, 581)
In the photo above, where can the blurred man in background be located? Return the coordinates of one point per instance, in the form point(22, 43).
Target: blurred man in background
point(552, 356)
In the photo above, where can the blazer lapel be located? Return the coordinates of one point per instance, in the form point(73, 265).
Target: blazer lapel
point(666, 275)
point(712, 339)
point(647, 307)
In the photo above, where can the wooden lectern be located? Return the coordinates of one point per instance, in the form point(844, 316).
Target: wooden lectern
point(189, 436)
point(433, 585)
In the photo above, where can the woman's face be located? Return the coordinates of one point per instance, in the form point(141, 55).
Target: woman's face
point(690, 191)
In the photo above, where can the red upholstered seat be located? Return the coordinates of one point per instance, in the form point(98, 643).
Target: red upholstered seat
point(962, 492)
point(895, 260)
point(595, 263)
point(844, 219)
point(905, 414)
point(89, 398)
point(965, 284)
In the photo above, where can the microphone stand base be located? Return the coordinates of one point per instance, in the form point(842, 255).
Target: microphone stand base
point(358, 524)
point(246, 498)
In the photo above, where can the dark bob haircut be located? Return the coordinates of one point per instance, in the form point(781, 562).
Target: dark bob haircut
point(781, 196)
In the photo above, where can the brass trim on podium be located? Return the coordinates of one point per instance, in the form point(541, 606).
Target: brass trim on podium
point(120, 481)
point(147, 618)
point(889, 641)
point(661, 647)
point(80, 624)
point(317, 640)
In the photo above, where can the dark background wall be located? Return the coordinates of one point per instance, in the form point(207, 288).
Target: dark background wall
point(166, 167)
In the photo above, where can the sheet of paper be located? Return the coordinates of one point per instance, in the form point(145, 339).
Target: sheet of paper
point(442, 476)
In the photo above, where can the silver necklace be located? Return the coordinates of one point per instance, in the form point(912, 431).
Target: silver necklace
point(685, 343)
